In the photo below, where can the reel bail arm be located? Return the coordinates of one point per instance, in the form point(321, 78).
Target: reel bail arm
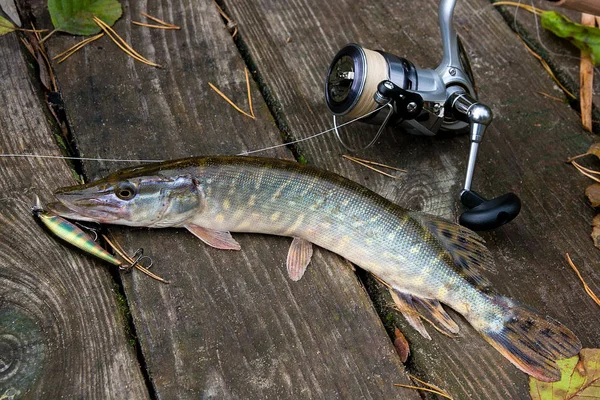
point(482, 214)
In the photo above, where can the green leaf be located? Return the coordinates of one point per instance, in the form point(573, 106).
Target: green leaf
point(580, 379)
point(76, 16)
point(5, 26)
point(587, 38)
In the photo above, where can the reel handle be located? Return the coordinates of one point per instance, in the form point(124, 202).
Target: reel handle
point(483, 214)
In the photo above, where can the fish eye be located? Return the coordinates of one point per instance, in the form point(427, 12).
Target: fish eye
point(125, 191)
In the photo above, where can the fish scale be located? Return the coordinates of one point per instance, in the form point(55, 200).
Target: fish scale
point(423, 258)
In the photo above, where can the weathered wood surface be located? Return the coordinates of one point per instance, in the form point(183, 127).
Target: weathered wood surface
point(559, 53)
point(231, 324)
point(524, 150)
point(62, 334)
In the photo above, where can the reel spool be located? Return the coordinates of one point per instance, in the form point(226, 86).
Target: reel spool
point(422, 102)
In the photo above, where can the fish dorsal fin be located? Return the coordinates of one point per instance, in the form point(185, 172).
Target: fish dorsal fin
point(466, 247)
point(405, 305)
point(216, 239)
point(298, 258)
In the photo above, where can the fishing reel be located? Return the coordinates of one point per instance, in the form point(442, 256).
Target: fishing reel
point(383, 89)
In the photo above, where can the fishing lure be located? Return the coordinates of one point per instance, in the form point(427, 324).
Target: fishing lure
point(71, 233)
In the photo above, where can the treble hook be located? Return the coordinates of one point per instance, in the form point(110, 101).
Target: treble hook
point(138, 256)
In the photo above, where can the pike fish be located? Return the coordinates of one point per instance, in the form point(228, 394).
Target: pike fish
point(425, 259)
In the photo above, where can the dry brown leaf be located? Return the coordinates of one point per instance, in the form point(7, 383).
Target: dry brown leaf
point(401, 345)
point(586, 79)
point(596, 231)
point(593, 194)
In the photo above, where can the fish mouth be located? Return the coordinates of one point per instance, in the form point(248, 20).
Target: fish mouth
point(76, 204)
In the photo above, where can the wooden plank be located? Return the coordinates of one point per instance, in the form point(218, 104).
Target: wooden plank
point(524, 150)
point(62, 332)
point(559, 53)
point(231, 324)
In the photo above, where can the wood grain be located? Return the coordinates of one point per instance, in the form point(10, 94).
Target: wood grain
point(563, 57)
point(62, 334)
point(231, 324)
point(524, 151)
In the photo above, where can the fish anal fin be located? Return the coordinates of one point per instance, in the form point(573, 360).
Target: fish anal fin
point(465, 247)
point(217, 239)
point(434, 309)
point(405, 305)
point(298, 258)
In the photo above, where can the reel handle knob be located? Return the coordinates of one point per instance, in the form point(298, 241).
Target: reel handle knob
point(485, 214)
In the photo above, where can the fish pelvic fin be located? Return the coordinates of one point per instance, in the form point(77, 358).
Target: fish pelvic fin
point(405, 305)
point(531, 341)
point(466, 248)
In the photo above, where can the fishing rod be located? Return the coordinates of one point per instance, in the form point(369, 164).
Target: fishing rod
point(426, 102)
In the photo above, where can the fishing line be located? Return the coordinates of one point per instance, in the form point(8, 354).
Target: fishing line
point(153, 161)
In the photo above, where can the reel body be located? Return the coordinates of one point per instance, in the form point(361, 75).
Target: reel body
point(390, 90)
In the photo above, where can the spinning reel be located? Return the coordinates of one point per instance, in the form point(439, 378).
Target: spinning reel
point(423, 102)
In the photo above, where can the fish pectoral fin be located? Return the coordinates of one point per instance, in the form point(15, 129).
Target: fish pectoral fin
point(405, 305)
point(434, 309)
point(298, 258)
point(216, 239)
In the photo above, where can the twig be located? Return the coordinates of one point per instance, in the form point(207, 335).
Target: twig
point(366, 163)
point(585, 286)
point(586, 79)
point(122, 44)
point(73, 49)
point(251, 115)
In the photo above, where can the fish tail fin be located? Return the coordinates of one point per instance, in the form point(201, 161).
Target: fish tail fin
point(529, 340)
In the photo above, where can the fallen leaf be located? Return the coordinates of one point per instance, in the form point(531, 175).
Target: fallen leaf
point(580, 376)
point(593, 194)
point(5, 26)
point(76, 16)
point(401, 345)
point(586, 38)
point(596, 231)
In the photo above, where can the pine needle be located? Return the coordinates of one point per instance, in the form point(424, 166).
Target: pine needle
point(365, 163)
point(551, 97)
point(547, 68)
point(583, 172)
point(7, 24)
point(251, 115)
point(424, 389)
point(585, 286)
point(155, 26)
point(590, 171)
point(429, 385)
point(119, 250)
point(122, 44)
point(163, 24)
point(531, 9)
point(230, 22)
point(73, 49)
point(249, 93)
